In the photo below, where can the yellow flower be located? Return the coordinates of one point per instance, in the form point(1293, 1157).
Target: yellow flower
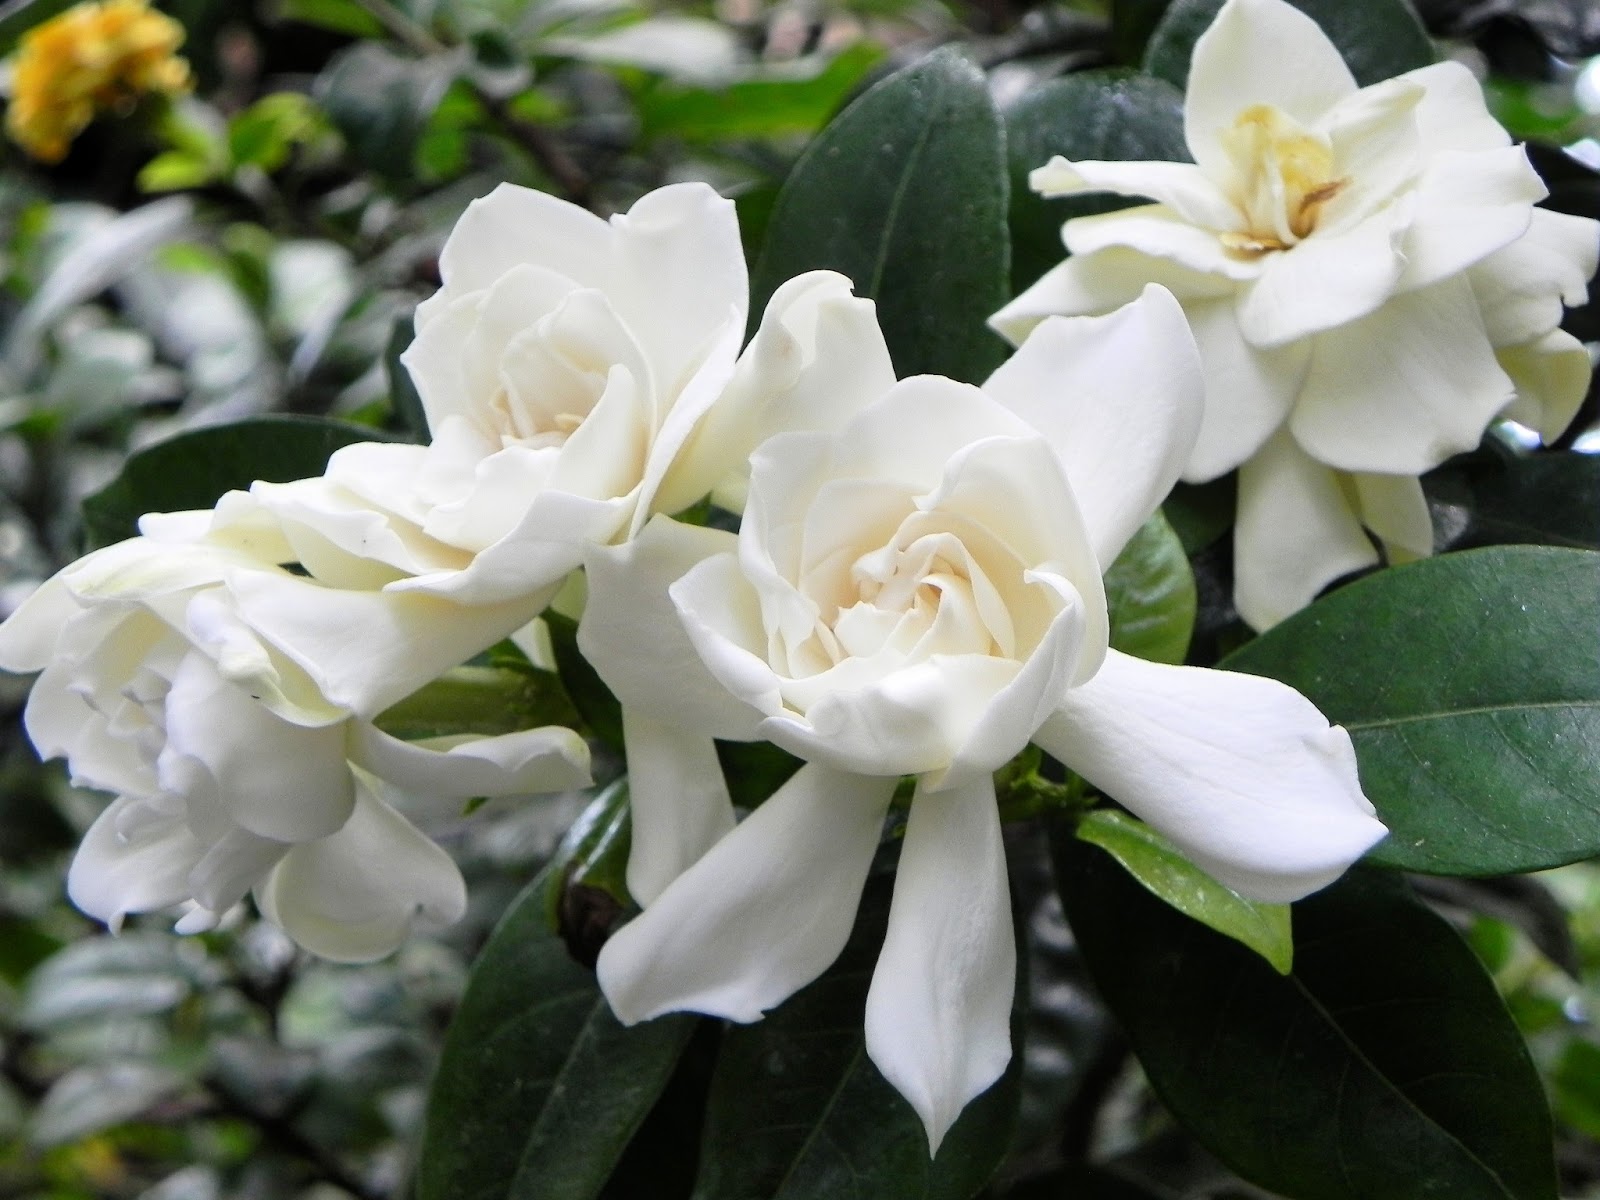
point(91, 58)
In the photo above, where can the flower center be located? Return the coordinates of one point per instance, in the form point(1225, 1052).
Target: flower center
point(1284, 178)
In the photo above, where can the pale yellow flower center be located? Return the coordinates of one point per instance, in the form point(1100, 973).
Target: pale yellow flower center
point(1285, 175)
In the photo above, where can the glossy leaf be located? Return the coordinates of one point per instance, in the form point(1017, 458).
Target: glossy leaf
point(905, 192)
point(1385, 1065)
point(1470, 684)
point(1496, 496)
point(381, 101)
point(539, 1088)
point(1107, 115)
point(194, 469)
point(1150, 592)
point(1157, 864)
point(589, 693)
point(798, 1112)
point(1378, 38)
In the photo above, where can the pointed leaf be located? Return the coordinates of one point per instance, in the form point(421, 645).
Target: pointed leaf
point(905, 192)
point(539, 1088)
point(1470, 684)
point(1385, 1065)
point(1150, 592)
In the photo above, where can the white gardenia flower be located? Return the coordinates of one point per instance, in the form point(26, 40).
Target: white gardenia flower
point(1367, 279)
point(578, 375)
point(918, 592)
point(230, 771)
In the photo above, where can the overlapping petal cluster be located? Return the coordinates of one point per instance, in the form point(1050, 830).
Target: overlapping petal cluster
point(1366, 275)
point(89, 59)
point(918, 592)
point(231, 772)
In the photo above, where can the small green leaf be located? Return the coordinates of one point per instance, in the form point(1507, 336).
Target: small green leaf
point(263, 134)
point(175, 170)
point(589, 693)
point(1105, 115)
point(1200, 513)
point(193, 470)
point(1156, 863)
point(539, 1088)
point(1378, 38)
point(798, 1112)
point(1150, 592)
point(905, 192)
point(341, 16)
point(479, 700)
point(1470, 684)
point(381, 102)
point(1385, 1065)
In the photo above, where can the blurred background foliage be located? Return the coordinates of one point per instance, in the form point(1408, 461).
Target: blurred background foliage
point(256, 246)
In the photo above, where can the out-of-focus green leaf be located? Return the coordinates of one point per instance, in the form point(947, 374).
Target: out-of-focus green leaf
point(1384, 1065)
point(590, 696)
point(263, 134)
point(1200, 513)
point(103, 979)
point(905, 192)
point(1150, 593)
point(787, 106)
point(193, 470)
point(1470, 684)
point(19, 16)
point(1157, 864)
point(404, 399)
point(1495, 496)
point(1378, 38)
point(1108, 115)
point(381, 102)
point(539, 1088)
point(89, 1099)
point(341, 16)
point(798, 1112)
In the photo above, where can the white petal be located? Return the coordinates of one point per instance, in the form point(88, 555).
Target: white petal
point(1258, 52)
point(632, 635)
point(352, 897)
point(1249, 390)
point(939, 1008)
point(1453, 114)
point(276, 779)
point(760, 915)
point(1468, 205)
point(1244, 774)
point(1520, 288)
point(1182, 187)
point(1119, 399)
point(1552, 377)
point(816, 361)
point(1297, 532)
point(1323, 282)
point(1086, 285)
point(112, 876)
point(678, 798)
point(28, 635)
point(1404, 389)
point(1394, 508)
point(514, 225)
point(1158, 231)
point(548, 759)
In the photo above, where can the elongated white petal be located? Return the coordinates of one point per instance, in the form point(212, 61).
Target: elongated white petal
point(275, 779)
point(1090, 284)
point(352, 897)
point(632, 635)
point(1394, 508)
point(939, 1008)
point(1243, 773)
point(548, 759)
point(1552, 376)
point(1119, 398)
point(112, 876)
point(1182, 187)
point(28, 635)
point(1249, 389)
point(1404, 389)
point(1258, 52)
point(1159, 232)
point(1453, 114)
point(1468, 205)
point(1297, 532)
point(1521, 287)
point(678, 798)
point(760, 915)
point(1323, 282)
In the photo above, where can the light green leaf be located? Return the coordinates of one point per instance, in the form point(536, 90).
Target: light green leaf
point(1156, 863)
point(1151, 594)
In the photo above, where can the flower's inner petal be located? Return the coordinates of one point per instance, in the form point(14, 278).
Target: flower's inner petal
point(1283, 175)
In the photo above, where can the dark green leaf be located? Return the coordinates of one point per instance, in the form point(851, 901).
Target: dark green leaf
point(341, 16)
point(589, 693)
point(1108, 115)
point(1470, 684)
point(539, 1088)
point(1132, 23)
point(1385, 1066)
point(381, 101)
point(757, 108)
point(1378, 38)
point(1157, 864)
point(480, 700)
point(755, 770)
point(1081, 1183)
point(1495, 496)
point(798, 1111)
point(193, 470)
point(905, 192)
point(1200, 513)
point(1150, 592)
point(404, 399)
